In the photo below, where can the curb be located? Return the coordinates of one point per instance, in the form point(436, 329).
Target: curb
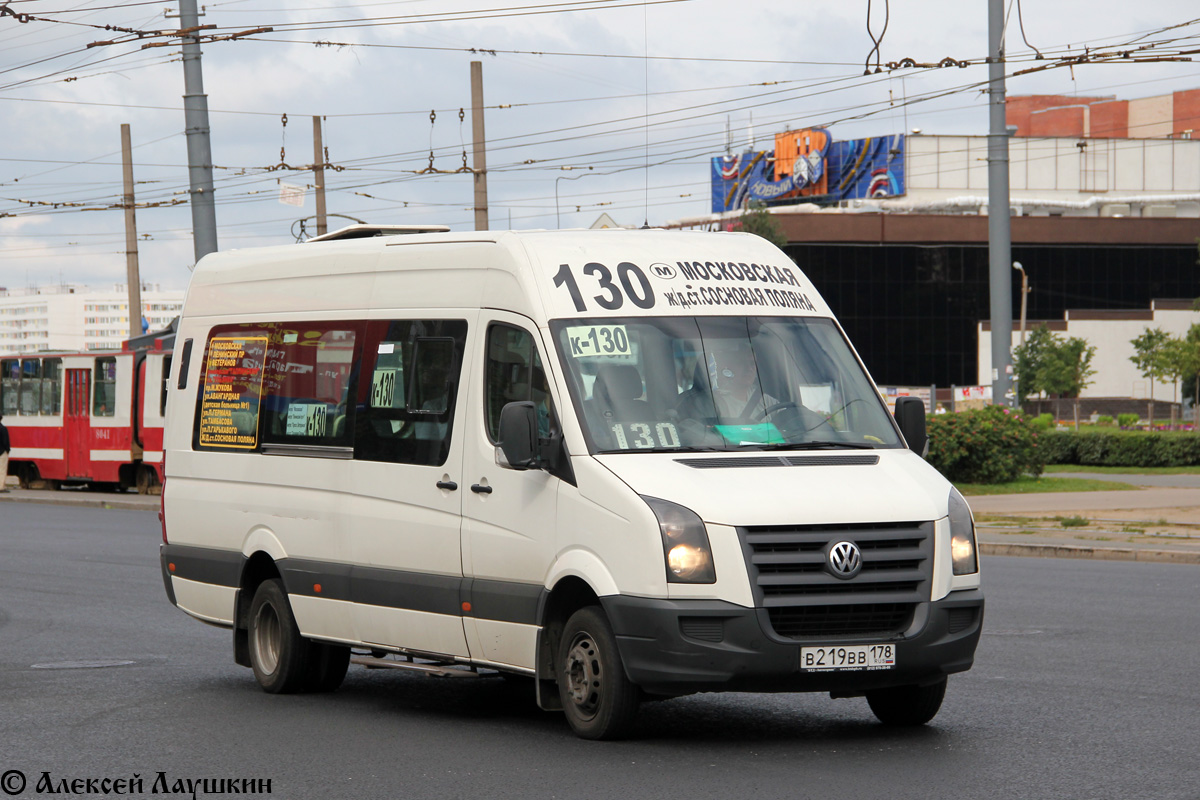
point(985, 548)
point(128, 505)
point(1084, 551)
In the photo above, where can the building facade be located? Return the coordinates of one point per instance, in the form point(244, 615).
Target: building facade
point(77, 318)
point(893, 229)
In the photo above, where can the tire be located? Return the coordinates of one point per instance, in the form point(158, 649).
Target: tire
point(146, 480)
point(599, 700)
point(327, 667)
point(279, 655)
point(907, 706)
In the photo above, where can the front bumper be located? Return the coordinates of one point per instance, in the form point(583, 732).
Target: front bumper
point(675, 647)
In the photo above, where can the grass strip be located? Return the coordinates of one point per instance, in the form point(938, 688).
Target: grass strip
point(1031, 485)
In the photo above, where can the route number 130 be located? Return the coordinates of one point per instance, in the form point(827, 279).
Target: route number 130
point(633, 281)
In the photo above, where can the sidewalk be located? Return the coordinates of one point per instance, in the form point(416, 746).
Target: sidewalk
point(83, 498)
point(1148, 524)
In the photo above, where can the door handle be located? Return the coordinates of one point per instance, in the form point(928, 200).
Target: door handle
point(479, 488)
point(449, 486)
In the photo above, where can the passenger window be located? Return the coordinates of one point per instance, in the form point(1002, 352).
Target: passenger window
point(104, 388)
point(31, 386)
point(406, 408)
point(52, 386)
point(306, 384)
point(277, 383)
point(10, 384)
point(514, 373)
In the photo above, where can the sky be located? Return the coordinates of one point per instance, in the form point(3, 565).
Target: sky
point(591, 107)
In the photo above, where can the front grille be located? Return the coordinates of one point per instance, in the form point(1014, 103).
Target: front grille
point(805, 600)
point(802, 622)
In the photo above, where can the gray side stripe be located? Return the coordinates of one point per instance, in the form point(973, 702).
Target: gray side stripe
point(504, 601)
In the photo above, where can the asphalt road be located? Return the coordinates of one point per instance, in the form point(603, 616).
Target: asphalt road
point(1085, 686)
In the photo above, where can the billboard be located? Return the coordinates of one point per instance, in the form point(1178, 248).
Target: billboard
point(810, 164)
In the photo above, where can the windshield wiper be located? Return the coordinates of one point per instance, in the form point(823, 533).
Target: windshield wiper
point(818, 445)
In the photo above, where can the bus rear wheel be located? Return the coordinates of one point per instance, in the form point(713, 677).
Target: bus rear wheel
point(278, 653)
point(283, 661)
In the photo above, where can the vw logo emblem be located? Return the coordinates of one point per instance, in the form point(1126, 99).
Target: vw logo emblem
point(845, 560)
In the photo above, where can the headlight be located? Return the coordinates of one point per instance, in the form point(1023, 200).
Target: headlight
point(962, 536)
point(685, 543)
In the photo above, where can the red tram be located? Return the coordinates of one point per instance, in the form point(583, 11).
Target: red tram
point(88, 418)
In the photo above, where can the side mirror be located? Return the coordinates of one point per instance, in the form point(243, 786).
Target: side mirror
point(910, 416)
point(518, 434)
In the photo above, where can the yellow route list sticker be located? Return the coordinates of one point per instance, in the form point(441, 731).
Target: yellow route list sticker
point(233, 379)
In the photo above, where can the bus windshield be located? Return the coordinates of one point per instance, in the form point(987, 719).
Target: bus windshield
point(719, 383)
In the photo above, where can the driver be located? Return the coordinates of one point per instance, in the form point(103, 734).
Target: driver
point(737, 392)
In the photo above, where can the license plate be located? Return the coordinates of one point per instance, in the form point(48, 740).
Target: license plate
point(849, 657)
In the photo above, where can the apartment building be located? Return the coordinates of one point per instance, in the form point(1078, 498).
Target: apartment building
point(77, 317)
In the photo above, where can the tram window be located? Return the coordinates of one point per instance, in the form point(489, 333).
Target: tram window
point(31, 386)
point(52, 386)
point(104, 391)
point(162, 397)
point(10, 384)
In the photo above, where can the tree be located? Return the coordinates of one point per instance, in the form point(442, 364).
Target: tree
point(1148, 358)
point(1066, 369)
point(1027, 361)
point(1177, 357)
point(761, 222)
point(1188, 353)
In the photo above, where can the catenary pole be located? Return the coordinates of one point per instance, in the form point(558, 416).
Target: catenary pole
point(480, 152)
point(319, 177)
point(132, 274)
point(999, 223)
point(195, 114)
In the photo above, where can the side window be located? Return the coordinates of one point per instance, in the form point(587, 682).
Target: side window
point(31, 386)
point(306, 385)
point(104, 387)
point(10, 386)
point(514, 373)
point(52, 386)
point(406, 397)
point(278, 383)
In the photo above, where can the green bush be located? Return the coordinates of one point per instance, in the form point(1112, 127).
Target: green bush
point(1120, 448)
point(1104, 419)
point(988, 445)
point(1043, 422)
point(1126, 420)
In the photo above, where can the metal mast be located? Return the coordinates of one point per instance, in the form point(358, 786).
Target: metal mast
point(999, 223)
point(195, 114)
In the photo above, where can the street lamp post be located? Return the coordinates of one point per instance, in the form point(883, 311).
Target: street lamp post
point(1024, 296)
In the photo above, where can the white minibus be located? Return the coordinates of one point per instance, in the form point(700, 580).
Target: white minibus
point(624, 464)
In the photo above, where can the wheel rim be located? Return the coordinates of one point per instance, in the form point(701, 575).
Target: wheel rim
point(267, 638)
point(584, 675)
